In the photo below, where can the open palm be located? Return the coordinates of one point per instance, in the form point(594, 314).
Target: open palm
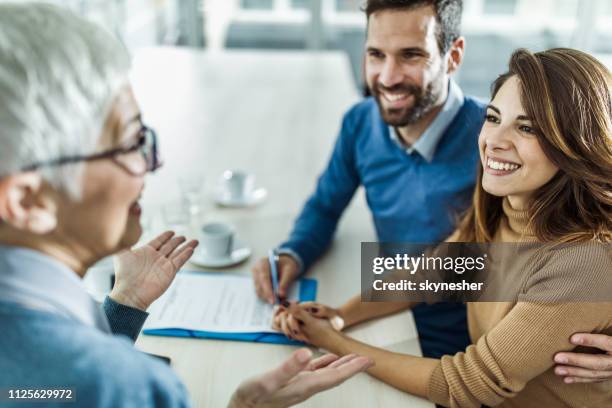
point(297, 379)
point(145, 273)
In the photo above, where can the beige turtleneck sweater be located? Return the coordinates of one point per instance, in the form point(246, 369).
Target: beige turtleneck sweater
point(510, 363)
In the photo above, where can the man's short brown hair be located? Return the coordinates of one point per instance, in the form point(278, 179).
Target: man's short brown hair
point(448, 15)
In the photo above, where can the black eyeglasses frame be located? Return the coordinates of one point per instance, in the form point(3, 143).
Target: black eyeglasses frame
point(151, 155)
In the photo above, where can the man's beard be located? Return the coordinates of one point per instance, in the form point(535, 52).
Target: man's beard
point(424, 101)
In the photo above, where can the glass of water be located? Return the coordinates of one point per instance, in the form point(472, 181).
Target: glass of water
point(192, 189)
point(177, 217)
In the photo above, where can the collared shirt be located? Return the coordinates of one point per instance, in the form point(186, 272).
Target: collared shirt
point(427, 143)
point(55, 334)
point(37, 281)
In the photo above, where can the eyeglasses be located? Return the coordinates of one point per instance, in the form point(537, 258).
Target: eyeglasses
point(138, 159)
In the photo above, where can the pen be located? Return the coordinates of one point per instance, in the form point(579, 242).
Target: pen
point(274, 274)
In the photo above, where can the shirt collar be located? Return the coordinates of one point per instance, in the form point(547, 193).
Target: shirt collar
point(37, 281)
point(428, 142)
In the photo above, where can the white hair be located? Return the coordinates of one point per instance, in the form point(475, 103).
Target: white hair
point(59, 75)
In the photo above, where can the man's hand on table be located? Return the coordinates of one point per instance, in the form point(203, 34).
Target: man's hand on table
point(586, 368)
point(288, 271)
point(143, 274)
point(297, 379)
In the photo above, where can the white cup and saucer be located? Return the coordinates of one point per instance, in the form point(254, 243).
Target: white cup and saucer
point(237, 189)
point(219, 247)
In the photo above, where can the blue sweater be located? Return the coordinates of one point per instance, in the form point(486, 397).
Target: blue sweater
point(410, 199)
point(44, 350)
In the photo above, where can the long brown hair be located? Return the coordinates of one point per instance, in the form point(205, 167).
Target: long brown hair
point(566, 92)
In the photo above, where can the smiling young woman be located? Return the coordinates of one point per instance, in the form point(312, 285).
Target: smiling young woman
point(561, 143)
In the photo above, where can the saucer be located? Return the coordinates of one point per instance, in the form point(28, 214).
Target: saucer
point(256, 197)
point(240, 253)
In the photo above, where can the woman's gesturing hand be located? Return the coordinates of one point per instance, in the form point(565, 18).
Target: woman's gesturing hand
point(297, 379)
point(143, 274)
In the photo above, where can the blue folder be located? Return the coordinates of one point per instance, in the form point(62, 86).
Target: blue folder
point(308, 292)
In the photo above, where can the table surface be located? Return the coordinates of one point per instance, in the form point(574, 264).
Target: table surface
point(276, 114)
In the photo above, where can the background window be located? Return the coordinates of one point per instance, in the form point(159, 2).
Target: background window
point(566, 8)
point(300, 4)
point(500, 7)
point(257, 4)
point(493, 28)
point(348, 5)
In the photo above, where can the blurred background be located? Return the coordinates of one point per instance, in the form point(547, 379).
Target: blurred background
point(493, 28)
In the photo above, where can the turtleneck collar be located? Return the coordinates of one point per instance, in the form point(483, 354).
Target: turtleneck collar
point(514, 226)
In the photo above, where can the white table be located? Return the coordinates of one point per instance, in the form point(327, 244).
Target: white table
point(276, 114)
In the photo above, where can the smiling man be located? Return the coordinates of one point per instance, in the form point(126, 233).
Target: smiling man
point(412, 145)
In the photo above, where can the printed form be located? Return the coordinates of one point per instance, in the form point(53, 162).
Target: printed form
point(215, 303)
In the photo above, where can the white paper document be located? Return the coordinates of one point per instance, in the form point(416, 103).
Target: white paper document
point(215, 303)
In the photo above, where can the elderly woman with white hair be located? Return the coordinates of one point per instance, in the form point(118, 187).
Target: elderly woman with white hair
point(73, 156)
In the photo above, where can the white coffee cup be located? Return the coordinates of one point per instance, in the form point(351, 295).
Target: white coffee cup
point(217, 239)
point(238, 184)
